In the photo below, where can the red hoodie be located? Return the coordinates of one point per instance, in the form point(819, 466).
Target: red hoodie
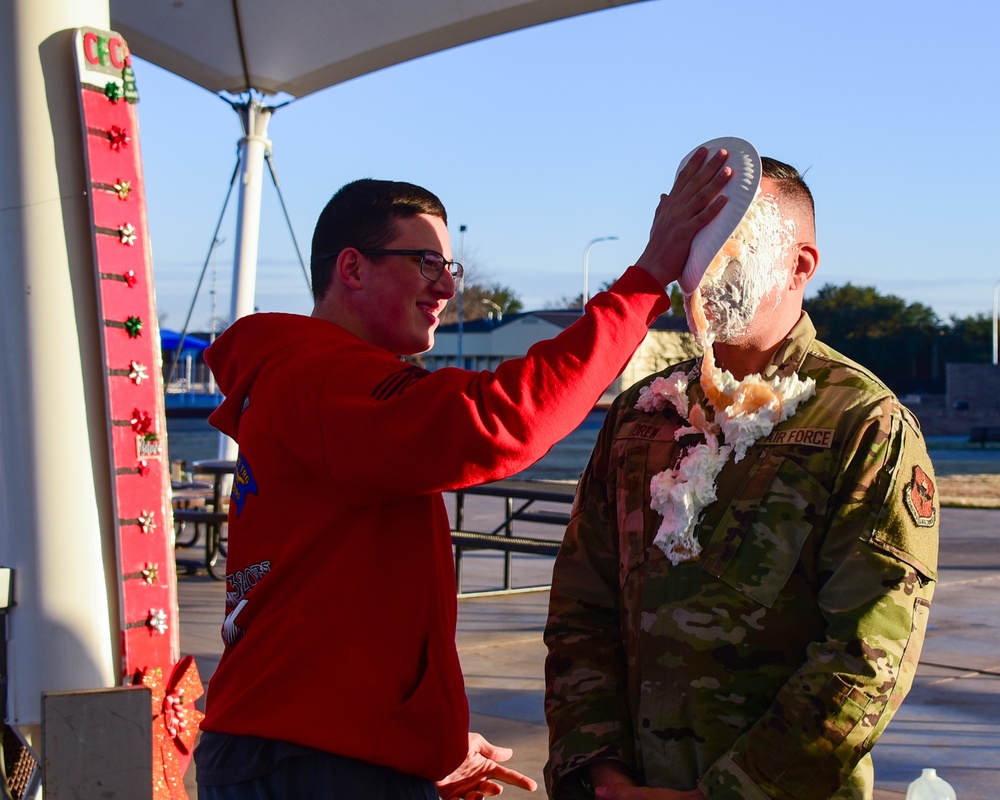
point(341, 609)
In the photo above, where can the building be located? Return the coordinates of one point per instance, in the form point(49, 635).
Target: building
point(184, 366)
point(488, 342)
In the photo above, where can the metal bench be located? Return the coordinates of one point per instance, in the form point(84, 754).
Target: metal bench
point(470, 540)
point(502, 538)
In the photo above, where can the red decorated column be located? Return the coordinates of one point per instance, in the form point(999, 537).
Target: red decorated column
point(136, 420)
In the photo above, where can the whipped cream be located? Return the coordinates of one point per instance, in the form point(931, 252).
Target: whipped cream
point(735, 413)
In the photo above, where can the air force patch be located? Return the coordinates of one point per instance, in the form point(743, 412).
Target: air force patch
point(919, 497)
point(244, 484)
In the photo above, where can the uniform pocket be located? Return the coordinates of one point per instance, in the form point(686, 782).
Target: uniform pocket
point(756, 544)
point(640, 451)
point(631, 506)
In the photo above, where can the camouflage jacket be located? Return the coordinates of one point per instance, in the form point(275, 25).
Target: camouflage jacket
point(769, 666)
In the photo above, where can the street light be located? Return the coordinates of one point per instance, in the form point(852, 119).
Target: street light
point(586, 263)
point(996, 309)
point(459, 356)
point(487, 302)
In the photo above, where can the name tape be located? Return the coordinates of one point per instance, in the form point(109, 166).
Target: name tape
point(810, 437)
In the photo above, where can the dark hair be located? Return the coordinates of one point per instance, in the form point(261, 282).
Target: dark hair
point(362, 214)
point(791, 184)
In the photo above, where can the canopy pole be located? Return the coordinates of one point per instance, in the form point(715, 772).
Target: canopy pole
point(254, 147)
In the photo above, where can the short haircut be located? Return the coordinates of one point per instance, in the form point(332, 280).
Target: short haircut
point(363, 215)
point(791, 184)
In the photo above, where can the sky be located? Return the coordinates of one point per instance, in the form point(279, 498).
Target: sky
point(541, 140)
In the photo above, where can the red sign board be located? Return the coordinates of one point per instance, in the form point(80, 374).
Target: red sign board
point(136, 417)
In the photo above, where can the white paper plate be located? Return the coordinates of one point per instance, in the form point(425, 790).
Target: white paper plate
point(741, 189)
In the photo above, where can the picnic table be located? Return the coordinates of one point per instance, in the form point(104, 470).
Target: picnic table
point(206, 514)
point(522, 503)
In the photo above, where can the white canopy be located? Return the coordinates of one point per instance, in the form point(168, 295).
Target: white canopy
point(302, 46)
point(262, 47)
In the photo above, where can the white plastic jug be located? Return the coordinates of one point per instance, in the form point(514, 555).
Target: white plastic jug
point(930, 787)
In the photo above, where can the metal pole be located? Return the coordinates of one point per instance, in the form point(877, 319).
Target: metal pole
point(461, 298)
point(288, 219)
point(996, 308)
point(586, 266)
point(216, 241)
point(253, 147)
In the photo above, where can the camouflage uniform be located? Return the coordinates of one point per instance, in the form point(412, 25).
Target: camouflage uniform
point(769, 666)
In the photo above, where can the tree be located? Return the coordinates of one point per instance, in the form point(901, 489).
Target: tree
point(969, 339)
point(676, 299)
point(898, 341)
point(505, 297)
point(566, 303)
point(479, 298)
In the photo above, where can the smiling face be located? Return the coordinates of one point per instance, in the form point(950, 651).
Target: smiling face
point(397, 307)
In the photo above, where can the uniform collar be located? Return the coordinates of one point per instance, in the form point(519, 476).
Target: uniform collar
point(791, 353)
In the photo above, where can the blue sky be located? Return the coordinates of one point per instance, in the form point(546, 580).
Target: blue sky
point(544, 139)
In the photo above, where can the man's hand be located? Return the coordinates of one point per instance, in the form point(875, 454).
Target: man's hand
point(472, 780)
point(693, 202)
point(611, 781)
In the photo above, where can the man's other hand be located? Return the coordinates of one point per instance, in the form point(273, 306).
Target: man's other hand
point(477, 777)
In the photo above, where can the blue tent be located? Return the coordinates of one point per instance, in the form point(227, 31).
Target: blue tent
point(170, 339)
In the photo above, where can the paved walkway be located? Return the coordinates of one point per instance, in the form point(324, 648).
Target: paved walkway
point(951, 720)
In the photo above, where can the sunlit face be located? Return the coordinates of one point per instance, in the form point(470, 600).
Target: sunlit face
point(402, 306)
point(749, 273)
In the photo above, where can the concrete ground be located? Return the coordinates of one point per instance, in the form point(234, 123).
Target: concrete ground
point(950, 721)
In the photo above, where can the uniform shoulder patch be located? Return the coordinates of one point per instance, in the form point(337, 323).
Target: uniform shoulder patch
point(918, 495)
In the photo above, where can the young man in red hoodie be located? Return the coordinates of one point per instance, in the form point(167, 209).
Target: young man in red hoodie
point(340, 676)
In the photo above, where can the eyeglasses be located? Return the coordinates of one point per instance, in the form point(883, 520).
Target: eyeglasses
point(432, 263)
